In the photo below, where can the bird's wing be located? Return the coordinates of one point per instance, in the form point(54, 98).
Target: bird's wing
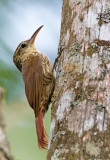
point(32, 72)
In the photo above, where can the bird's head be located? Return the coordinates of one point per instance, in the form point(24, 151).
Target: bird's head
point(24, 49)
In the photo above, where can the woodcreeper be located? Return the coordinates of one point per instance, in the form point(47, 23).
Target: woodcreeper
point(38, 76)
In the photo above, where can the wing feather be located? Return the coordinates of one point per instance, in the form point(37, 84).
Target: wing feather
point(32, 72)
point(38, 87)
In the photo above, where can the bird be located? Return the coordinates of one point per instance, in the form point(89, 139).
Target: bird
point(39, 82)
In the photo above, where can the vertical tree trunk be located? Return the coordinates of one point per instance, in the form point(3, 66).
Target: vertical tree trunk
point(80, 126)
point(4, 145)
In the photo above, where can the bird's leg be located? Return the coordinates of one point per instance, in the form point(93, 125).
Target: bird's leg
point(60, 50)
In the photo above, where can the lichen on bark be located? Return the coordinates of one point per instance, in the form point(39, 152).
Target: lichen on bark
point(81, 99)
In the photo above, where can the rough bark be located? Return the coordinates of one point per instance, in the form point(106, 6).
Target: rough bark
point(80, 126)
point(4, 145)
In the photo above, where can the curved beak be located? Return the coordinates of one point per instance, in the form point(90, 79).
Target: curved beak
point(32, 39)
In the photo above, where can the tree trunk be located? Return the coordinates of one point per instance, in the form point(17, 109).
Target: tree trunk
point(80, 126)
point(4, 145)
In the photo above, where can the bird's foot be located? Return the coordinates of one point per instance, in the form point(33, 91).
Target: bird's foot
point(60, 50)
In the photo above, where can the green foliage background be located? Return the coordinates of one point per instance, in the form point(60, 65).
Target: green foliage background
point(18, 20)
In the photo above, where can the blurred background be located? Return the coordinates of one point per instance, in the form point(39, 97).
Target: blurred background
point(18, 21)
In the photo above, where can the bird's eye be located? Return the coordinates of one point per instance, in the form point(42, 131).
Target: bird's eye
point(23, 45)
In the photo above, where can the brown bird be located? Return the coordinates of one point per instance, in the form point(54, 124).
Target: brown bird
point(38, 76)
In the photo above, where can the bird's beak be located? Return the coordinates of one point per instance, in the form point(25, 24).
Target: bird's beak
point(32, 39)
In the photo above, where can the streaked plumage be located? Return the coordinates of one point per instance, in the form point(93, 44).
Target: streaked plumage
point(38, 77)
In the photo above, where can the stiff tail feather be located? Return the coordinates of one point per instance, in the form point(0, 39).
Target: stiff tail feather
point(41, 133)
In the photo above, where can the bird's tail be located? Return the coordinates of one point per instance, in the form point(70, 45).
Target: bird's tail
point(41, 133)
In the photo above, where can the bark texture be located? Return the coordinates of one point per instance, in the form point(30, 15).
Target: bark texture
point(80, 126)
point(4, 145)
